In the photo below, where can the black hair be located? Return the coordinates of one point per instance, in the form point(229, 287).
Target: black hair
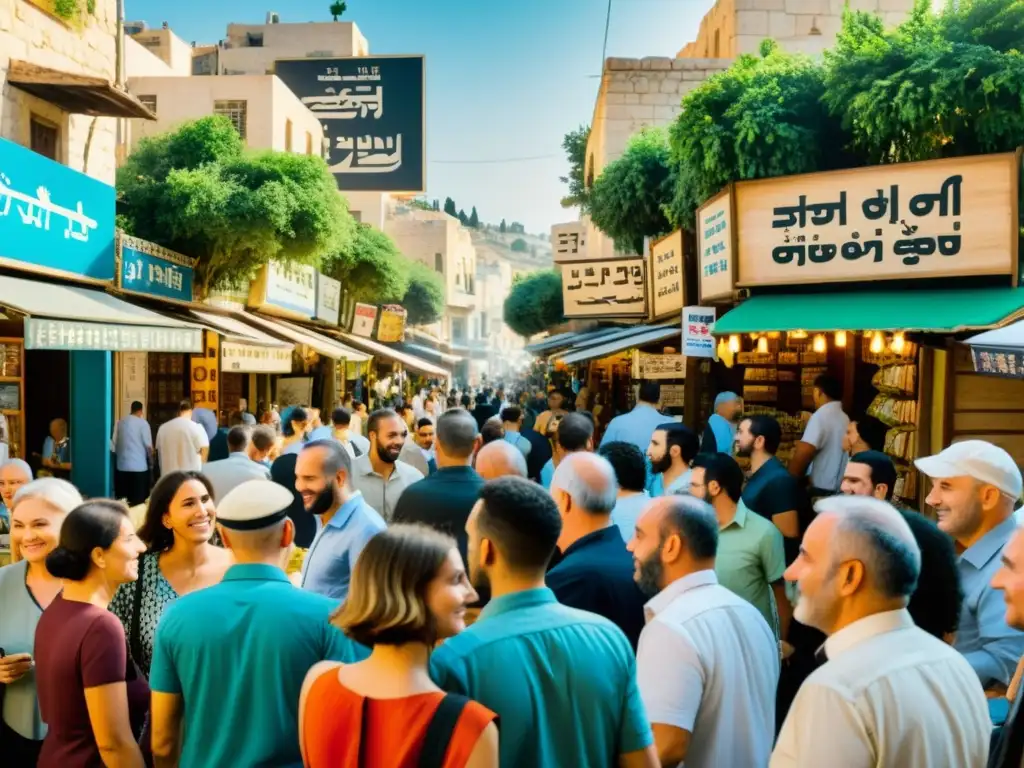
point(298, 413)
point(404, 407)
point(522, 521)
point(830, 386)
point(456, 433)
point(465, 400)
point(184, 406)
point(373, 423)
point(629, 464)
point(263, 437)
point(424, 422)
point(157, 536)
point(695, 521)
point(767, 427)
point(871, 431)
point(575, 431)
point(513, 413)
point(93, 524)
point(238, 438)
point(682, 437)
point(492, 431)
point(136, 406)
point(882, 469)
point(935, 604)
point(650, 392)
point(341, 417)
point(724, 470)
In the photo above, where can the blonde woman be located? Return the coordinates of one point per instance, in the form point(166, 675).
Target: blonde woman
point(38, 510)
point(409, 590)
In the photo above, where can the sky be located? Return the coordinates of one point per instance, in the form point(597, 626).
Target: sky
point(505, 80)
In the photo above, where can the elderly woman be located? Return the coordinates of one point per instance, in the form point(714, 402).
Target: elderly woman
point(14, 473)
point(26, 589)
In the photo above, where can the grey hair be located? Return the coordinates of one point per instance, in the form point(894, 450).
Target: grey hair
point(20, 464)
point(589, 480)
point(874, 532)
point(694, 519)
point(59, 494)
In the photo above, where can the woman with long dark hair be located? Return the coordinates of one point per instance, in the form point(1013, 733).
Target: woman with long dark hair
point(180, 558)
point(91, 697)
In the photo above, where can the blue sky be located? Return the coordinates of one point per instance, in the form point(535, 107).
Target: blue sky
point(504, 79)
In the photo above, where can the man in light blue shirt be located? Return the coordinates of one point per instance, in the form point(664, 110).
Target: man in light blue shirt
point(563, 681)
point(638, 425)
point(512, 420)
point(132, 445)
point(631, 473)
point(672, 450)
point(347, 522)
point(227, 474)
point(575, 433)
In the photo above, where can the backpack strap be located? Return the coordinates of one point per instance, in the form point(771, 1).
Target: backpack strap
point(441, 729)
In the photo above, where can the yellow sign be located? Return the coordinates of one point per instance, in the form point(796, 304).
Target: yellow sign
point(668, 283)
point(205, 374)
point(391, 328)
point(607, 288)
point(940, 218)
point(716, 237)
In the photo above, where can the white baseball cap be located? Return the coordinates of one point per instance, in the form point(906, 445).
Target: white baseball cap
point(979, 459)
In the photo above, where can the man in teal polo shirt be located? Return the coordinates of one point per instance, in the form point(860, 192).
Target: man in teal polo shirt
point(229, 661)
point(563, 681)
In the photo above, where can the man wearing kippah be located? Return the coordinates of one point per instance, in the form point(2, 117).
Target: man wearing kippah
point(229, 661)
point(975, 486)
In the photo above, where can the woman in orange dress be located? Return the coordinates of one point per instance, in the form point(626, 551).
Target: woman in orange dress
point(409, 590)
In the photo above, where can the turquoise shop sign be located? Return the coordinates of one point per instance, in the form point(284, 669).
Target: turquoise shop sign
point(54, 218)
point(152, 270)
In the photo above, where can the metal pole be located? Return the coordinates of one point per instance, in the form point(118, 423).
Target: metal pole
point(607, 24)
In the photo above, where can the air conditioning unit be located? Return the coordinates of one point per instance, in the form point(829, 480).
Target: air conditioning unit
point(273, 17)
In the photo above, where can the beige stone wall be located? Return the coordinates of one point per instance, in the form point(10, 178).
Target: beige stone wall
point(736, 27)
point(287, 41)
point(142, 62)
point(28, 34)
point(169, 48)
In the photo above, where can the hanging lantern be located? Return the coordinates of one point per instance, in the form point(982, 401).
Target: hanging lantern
point(762, 345)
point(819, 344)
point(734, 344)
point(877, 343)
point(798, 334)
point(841, 339)
point(898, 343)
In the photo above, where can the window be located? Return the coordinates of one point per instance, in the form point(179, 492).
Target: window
point(458, 279)
point(483, 325)
point(149, 102)
point(254, 39)
point(287, 135)
point(309, 143)
point(44, 138)
point(459, 330)
point(235, 111)
point(438, 263)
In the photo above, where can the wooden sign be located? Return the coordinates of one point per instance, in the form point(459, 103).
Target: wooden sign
point(940, 218)
point(569, 242)
point(607, 288)
point(205, 374)
point(716, 247)
point(668, 285)
point(647, 366)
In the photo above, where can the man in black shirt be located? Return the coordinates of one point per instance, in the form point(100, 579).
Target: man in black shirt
point(595, 572)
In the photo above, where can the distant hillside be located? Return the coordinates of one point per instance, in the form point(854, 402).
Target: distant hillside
point(532, 253)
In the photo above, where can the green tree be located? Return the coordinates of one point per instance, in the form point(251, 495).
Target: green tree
point(474, 219)
point(941, 85)
point(764, 116)
point(449, 207)
point(519, 245)
point(424, 298)
point(628, 199)
point(463, 218)
point(420, 204)
point(502, 227)
point(370, 268)
point(535, 303)
point(338, 9)
point(575, 145)
point(198, 191)
point(516, 228)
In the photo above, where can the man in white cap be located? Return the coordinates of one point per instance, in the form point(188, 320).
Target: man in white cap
point(720, 435)
point(974, 490)
point(228, 661)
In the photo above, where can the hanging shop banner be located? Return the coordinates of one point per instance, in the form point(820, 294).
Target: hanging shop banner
point(392, 325)
point(328, 299)
point(75, 335)
point(647, 366)
point(363, 320)
point(152, 270)
point(716, 276)
point(250, 358)
point(668, 287)
point(372, 111)
point(939, 218)
point(609, 288)
point(569, 242)
point(999, 361)
point(52, 218)
point(205, 370)
point(285, 288)
point(698, 332)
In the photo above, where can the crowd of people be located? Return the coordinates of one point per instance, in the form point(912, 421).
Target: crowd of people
point(493, 578)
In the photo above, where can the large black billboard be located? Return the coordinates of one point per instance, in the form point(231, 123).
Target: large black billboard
point(372, 111)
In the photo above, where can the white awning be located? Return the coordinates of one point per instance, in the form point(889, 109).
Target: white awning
point(70, 317)
point(323, 345)
point(237, 330)
point(1008, 337)
point(409, 361)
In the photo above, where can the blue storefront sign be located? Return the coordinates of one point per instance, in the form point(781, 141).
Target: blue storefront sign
point(152, 270)
point(372, 110)
point(53, 217)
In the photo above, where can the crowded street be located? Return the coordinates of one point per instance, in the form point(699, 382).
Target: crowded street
point(454, 403)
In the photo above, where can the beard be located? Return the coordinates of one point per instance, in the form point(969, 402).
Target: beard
point(744, 453)
point(324, 500)
point(478, 578)
point(652, 572)
point(662, 465)
point(386, 454)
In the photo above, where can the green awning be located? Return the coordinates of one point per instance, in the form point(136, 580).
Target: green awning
point(937, 311)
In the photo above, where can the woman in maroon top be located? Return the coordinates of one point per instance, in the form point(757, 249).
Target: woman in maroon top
point(90, 696)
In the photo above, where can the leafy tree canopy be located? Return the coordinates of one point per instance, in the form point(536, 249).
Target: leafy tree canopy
point(371, 268)
point(424, 298)
point(449, 207)
point(338, 9)
point(627, 200)
point(575, 146)
point(519, 245)
point(196, 190)
point(535, 303)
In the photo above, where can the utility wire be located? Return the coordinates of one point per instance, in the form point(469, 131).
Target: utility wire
point(607, 24)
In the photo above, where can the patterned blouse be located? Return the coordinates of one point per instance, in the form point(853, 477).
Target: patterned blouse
point(157, 594)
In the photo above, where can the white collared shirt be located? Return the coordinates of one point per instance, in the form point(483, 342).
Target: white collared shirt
point(889, 695)
point(825, 431)
point(708, 663)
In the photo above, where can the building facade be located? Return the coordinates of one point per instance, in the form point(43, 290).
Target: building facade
point(252, 49)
